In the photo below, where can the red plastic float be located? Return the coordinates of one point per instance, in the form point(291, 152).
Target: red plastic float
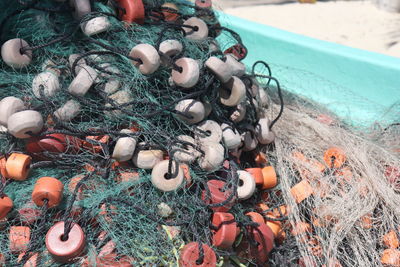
point(6, 205)
point(225, 235)
point(53, 143)
point(65, 251)
point(134, 11)
point(217, 195)
point(29, 214)
point(90, 143)
point(203, 3)
point(32, 260)
point(237, 50)
point(190, 254)
point(264, 236)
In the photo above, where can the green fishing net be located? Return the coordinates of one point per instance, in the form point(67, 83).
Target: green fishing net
point(119, 210)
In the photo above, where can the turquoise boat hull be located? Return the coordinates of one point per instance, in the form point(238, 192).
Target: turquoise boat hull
point(360, 87)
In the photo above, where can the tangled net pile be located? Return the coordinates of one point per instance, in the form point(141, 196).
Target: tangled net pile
point(131, 137)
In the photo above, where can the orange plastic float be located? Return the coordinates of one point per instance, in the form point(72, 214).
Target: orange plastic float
point(118, 166)
point(89, 168)
point(225, 234)
point(6, 204)
point(124, 177)
point(107, 249)
point(317, 166)
point(308, 169)
point(3, 170)
point(314, 247)
point(391, 257)
point(186, 173)
point(390, 240)
point(344, 175)
point(19, 238)
point(107, 256)
point(325, 119)
point(261, 207)
point(299, 156)
point(32, 260)
point(90, 143)
point(134, 11)
point(307, 261)
point(391, 173)
point(17, 166)
point(257, 175)
point(113, 260)
point(281, 211)
point(301, 191)
point(261, 159)
point(276, 226)
point(47, 188)
point(190, 254)
point(170, 11)
point(301, 228)
point(256, 217)
point(334, 157)
point(270, 179)
point(317, 222)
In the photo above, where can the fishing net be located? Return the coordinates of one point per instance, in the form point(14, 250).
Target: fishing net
point(348, 219)
point(348, 204)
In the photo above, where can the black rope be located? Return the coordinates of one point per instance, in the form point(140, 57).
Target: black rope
point(253, 69)
point(67, 214)
point(42, 164)
point(57, 40)
point(235, 181)
point(280, 97)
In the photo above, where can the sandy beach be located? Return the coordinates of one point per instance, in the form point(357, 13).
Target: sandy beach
point(358, 24)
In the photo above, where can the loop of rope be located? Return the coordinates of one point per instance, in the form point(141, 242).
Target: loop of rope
point(280, 97)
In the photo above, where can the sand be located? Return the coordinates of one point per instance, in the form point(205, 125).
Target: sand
point(357, 24)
